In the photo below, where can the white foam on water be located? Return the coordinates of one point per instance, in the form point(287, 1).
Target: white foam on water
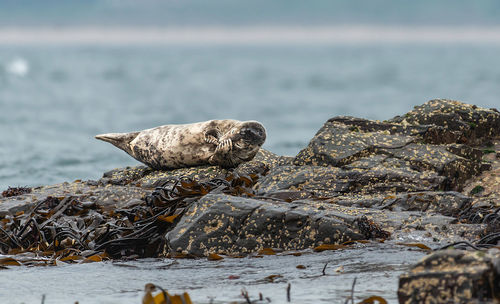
point(19, 67)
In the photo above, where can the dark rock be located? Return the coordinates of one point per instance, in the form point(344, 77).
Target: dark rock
point(201, 173)
point(453, 276)
point(235, 225)
point(465, 151)
point(14, 205)
point(262, 163)
point(148, 178)
point(107, 197)
point(142, 176)
point(24, 202)
point(353, 143)
point(445, 203)
point(436, 158)
point(316, 181)
point(372, 161)
point(125, 176)
point(425, 133)
point(470, 124)
point(338, 144)
point(115, 197)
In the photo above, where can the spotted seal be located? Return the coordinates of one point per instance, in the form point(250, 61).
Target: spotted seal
point(226, 143)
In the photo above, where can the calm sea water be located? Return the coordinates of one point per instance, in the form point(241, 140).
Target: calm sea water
point(53, 100)
point(229, 12)
point(375, 267)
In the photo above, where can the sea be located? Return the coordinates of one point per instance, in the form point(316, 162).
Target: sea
point(72, 69)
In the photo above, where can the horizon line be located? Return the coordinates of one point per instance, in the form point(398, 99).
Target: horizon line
point(248, 35)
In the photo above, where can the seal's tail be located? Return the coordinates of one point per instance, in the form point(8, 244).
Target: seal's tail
point(120, 140)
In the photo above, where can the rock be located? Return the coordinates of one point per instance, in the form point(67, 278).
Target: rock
point(107, 197)
point(427, 133)
point(142, 176)
point(233, 225)
point(262, 163)
point(115, 197)
point(436, 158)
point(317, 181)
point(201, 173)
point(148, 178)
point(225, 224)
point(338, 144)
point(12, 205)
point(453, 276)
point(469, 124)
point(447, 203)
point(124, 176)
point(353, 143)
point(15, 205)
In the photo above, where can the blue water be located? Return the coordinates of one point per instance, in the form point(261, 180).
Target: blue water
point(224, 12)
point(376, 268)
point(53, 100)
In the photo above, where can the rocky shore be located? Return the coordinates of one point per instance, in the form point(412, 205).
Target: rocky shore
point(432, 175)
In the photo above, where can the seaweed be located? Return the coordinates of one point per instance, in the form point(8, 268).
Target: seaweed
point(163, 297)
point(489, 237)
point(64, 229)
point(476, 190)
point(370, 229)
point(482, 216)
point(15, 191)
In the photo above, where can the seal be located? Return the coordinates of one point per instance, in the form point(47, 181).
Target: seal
point(226, 143)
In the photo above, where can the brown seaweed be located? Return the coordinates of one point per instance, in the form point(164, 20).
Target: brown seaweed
point(15, 191)
point(64, 229)
point(370, 229)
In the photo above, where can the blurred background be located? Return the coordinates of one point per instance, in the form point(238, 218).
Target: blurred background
point(75, 68)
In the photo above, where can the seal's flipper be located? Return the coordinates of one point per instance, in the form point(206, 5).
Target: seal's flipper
point(120, 140)
point(223, 155)
point(212, 136)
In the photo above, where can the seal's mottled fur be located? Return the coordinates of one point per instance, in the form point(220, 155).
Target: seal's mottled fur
point(226, 143)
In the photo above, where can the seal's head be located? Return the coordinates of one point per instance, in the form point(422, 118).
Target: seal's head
point(247, 138)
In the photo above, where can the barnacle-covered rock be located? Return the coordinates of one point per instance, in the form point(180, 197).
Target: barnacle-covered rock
point(262, 163)
point(456, 169)
point(453, 276)
point(145, 177)
point(148, 178)
point(201, 173)
point(431, 149)
point(226, 224)
point(428, 133)
point(124, 176)
point(448, 203)
point(337, 144)
point(317, 181)
point(469, 124)
point(108, 197)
